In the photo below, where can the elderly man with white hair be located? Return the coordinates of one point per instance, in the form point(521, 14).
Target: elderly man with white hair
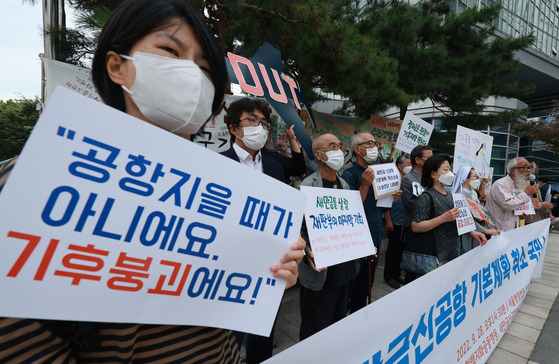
point(510, 192)
point(360, 177)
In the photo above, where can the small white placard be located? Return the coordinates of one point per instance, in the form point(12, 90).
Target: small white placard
point(464, 221)
point(337, 226)
point(415, 131)
point(387, 179)
point(527, 208)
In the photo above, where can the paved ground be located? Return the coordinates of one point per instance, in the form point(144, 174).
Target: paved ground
point(532, 338)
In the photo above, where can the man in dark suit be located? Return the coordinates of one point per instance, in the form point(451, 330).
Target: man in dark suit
point(249, 123)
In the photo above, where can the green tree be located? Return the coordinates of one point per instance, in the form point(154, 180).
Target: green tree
point(386, 53)
point(321, 46)
point(455, 60)
point(320, 43)
point(545, 129)
point(17, 118)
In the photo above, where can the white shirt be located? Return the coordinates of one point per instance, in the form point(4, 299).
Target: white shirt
point(502, 201)
point(246, 159)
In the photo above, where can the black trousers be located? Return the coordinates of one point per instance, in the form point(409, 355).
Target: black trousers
point(393, 253)
point(258, 348)
point(320, 309)
point(359, 286)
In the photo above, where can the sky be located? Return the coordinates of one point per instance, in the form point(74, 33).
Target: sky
point(21, 42)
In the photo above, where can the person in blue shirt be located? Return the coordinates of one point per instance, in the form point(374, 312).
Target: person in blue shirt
point(360, 177)
point(394, 218)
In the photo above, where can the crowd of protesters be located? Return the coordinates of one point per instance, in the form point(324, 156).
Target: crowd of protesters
point(143, 34)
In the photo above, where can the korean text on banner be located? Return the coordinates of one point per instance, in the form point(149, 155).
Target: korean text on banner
point(456, 313)
point(480, 212)
point(77, 79)
point(385, 130)
point(387, 179)
point(122, 221)
point(464, 222)
point(336, 224)
point(472, 150)
point(415, 131)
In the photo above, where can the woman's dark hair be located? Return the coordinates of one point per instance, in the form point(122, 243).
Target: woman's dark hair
point(135, 19)
point(248, 104)
point(432, 165)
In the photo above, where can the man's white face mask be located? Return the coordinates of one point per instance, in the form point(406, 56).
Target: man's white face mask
point(335, 159)
point(255, 137)
point(371, 156)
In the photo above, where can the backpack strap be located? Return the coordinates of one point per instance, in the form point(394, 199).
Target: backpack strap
point(354, 175)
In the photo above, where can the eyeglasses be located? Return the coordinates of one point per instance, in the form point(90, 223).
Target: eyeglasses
point(524, 168)
point(255, 122)
point(334, 146)
point(370, 143)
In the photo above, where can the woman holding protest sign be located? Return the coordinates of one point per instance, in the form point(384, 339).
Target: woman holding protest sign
point(156, 60)
point(470, 182)
point(434, 212)
point(474, 187)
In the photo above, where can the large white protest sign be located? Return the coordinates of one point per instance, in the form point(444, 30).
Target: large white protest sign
point(464, 222)
point(387, 179)
point(77, 79)
point(454, 314)
point(472, 150)
point(108, 218)
point(336, 224)
point(415, 131)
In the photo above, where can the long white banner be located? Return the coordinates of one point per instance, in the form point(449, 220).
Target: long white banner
point(455, 314)
point(108, 218)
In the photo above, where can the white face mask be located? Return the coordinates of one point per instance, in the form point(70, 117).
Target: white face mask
point(255, 137)
point(475, 184)
point(172, 93)
point(335, 159)
point(371, 156)
point(447, 178)
point(407, 169)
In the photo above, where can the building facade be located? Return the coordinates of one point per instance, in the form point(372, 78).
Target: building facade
point(539, 67)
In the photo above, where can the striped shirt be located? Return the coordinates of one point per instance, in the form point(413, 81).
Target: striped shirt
point(34, 341)
point(44, 341)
